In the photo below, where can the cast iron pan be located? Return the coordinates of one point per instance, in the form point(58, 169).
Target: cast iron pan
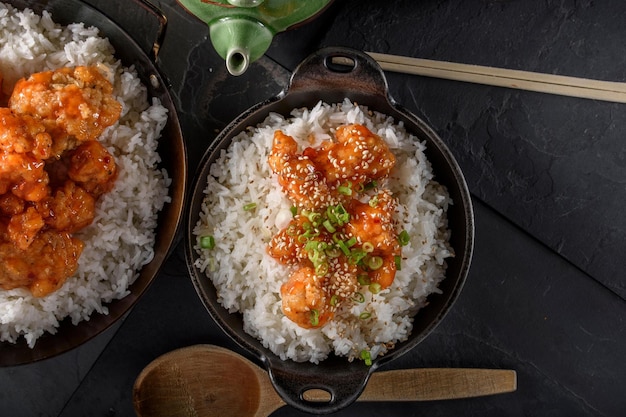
point(361, 80)
point(173, 154)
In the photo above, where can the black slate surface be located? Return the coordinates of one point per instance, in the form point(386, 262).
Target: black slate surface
point(550, 164)
point(545, 295)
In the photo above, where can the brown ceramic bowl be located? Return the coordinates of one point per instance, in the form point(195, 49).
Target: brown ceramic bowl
point(362, 80)
point(173, 155)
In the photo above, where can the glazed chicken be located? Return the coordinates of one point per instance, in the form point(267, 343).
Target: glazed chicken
point(52, 171)
point(312, 179)
point(336, 243)
point(75, 104)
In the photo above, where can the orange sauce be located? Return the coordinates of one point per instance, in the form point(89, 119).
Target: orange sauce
point(343, 236)
point(52, 172)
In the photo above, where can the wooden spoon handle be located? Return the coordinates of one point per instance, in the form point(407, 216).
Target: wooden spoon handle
point(438, 384)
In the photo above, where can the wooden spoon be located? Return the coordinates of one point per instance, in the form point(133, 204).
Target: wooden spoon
point(207, 380)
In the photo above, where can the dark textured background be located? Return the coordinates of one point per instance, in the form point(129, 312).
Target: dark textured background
point(545, 294)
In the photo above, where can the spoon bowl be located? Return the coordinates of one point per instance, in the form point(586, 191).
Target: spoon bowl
point(207, 380)
point(204, 380)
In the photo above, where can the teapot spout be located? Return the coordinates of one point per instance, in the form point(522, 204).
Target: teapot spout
point(240, 41)
point(237, 61)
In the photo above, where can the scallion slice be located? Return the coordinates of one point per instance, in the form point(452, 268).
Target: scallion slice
point(363, 279)
point(315, 317)
point(404, 238)
point(375, 288)
point(367, 358)
point(338, 215)
point(329, 226)
point(292, 229)
point(310, 233)
point(249, 206)
point(321, 269)
point(345, 189)
point(374, 262)
point(371, 184)
point(207, 242)
point(315, 218)
point(357, 255)
point(343, 247)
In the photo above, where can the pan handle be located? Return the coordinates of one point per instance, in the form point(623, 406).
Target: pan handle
point(324, 388)
point(160, 34)
point(339, 72)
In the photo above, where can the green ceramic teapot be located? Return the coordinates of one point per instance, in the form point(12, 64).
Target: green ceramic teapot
point(242, 30)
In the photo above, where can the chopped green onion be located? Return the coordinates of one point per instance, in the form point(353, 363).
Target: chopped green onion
point(212, 264)
point(332, 252)
point(330, 215)
point(337, 215)
point(310, 233)
point(350, 242)
point(343, 248)
point(321, 269)
point(345, 189)
point(375, 288)
point(368, 247)
point(344, 216)
point(358, 297)
point(367, 358)
point(371, 184)
point(333, 300)
point(315, 317)
point(207, 242)
point(294, 210)
point(315, 255)
point(310, 245)
point(249, 206)
point(363, 279)
point(365, 315)
point(329, 226)
point(357, 255)
point(373, 201)
point(314, 247)
point(398, 261)
point(404, 238)
point(314, 218)
point(374, 262)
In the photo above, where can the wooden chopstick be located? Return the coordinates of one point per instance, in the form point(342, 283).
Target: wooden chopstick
point(522, 80)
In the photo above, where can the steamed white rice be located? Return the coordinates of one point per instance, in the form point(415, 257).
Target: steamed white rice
point(121, 238)
point(248, 280)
